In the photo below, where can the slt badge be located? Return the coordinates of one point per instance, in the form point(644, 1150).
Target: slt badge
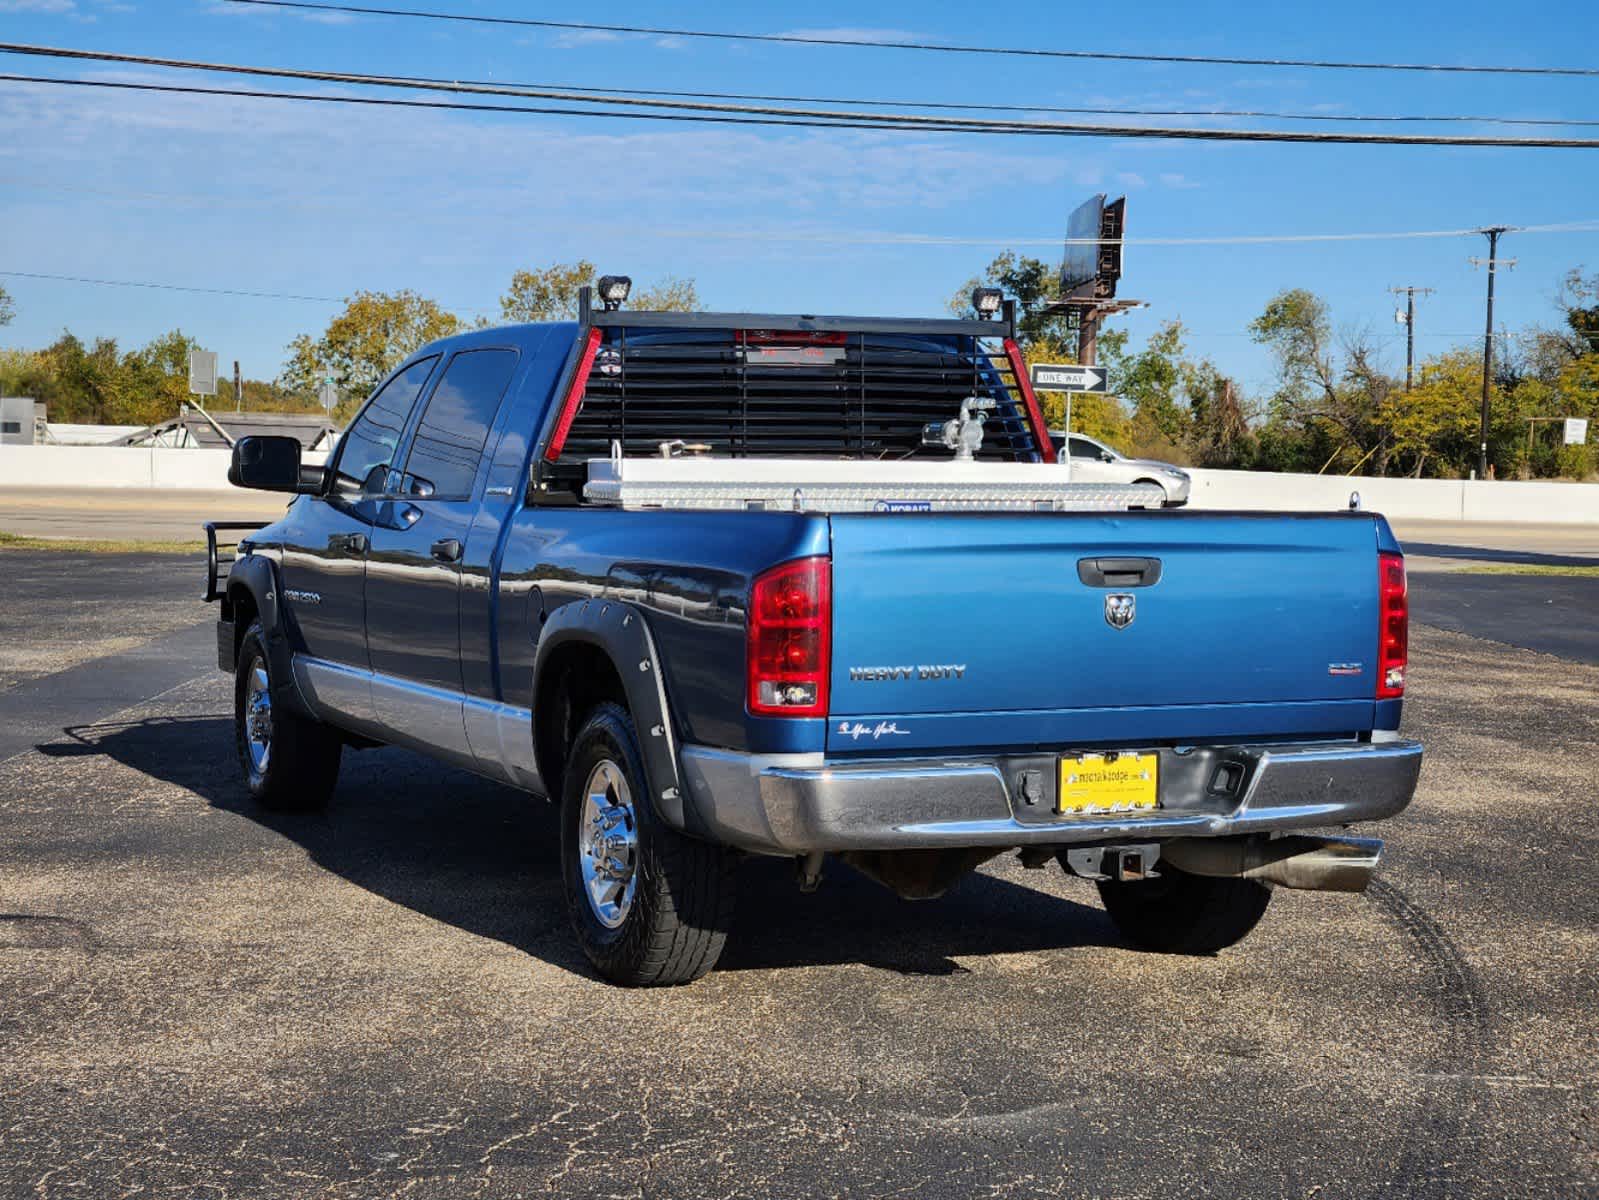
point(1120, 608)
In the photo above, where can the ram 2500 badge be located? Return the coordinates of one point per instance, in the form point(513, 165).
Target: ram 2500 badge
point(731, 584)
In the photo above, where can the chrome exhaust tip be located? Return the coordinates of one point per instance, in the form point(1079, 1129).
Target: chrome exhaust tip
point(1318, 864)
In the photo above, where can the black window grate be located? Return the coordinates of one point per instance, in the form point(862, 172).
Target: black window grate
point(866, 396)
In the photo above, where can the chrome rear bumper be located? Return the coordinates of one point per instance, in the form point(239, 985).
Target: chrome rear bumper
point(796, 804)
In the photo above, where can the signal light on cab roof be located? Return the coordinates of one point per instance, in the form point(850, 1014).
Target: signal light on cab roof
point(613, 291)
point(986, 301)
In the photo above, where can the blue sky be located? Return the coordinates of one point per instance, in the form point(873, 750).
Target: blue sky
point(321, 200)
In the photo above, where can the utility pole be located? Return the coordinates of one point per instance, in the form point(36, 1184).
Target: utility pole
point(1088, 337)
point(1409, 320)
point(1492, 233)
point(238, 388)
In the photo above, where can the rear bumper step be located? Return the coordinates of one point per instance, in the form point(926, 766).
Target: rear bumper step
point(798, 804)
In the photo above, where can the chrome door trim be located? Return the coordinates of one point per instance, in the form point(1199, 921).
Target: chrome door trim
point(481, 735)
point(334, 691)
point(501, 737)
point(421, 716)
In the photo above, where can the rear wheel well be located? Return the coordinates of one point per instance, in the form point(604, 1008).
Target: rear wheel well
point(575, 679)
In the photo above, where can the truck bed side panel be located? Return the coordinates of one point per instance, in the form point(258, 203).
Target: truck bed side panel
point(689, 571)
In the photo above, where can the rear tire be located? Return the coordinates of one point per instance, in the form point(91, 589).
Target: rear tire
point(1179, 913)
point(290, 762)
point(650, 907)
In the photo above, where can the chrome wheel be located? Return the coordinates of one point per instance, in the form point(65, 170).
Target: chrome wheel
point(607, 844)
point(258, 718)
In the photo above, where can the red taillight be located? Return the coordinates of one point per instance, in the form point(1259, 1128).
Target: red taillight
point(1035, 415)
point(574, 396)
point(790, 639)
point(1393, 626)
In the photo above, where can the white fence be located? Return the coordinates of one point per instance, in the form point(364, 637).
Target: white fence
point(117, 466)
point(1402, 499)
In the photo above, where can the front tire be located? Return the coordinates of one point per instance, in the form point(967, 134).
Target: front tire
point(290, 762)
point(650, 907)
point(1179, 913)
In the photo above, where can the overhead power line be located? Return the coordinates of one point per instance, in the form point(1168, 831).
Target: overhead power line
point(204, 291)
point(1265, 114)
point(742, 114)
point(961, 106)
point(906, 44)
point(169, 287)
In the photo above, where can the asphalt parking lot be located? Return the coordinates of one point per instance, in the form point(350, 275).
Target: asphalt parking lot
point(201, 999)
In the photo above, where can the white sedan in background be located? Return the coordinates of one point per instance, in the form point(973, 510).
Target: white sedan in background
point(1095, 462)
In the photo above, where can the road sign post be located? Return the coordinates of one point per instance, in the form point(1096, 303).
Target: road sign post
point(1072, 379)
point(1576, 431)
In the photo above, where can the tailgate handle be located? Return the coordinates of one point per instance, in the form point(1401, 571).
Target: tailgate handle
point(1118, 572)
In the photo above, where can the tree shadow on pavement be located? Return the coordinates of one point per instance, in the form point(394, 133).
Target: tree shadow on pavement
point(485, 858)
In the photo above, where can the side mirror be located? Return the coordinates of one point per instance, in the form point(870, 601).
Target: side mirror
point(1106, 456)
point(272, 464)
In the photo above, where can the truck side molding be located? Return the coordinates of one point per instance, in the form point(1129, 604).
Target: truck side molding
point(620, 632)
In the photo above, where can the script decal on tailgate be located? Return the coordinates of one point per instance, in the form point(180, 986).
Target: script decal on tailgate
point(855, 731)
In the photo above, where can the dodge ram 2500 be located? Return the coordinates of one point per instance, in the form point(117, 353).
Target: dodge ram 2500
point(733, 584)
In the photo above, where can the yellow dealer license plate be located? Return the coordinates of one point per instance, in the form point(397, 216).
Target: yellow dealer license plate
point(1108, 783)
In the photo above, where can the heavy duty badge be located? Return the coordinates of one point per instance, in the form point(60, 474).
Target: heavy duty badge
point(1120, 608)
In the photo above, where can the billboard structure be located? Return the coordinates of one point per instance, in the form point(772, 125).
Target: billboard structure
point(1093, 262)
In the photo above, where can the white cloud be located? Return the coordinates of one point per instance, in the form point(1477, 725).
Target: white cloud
point(566, 39)
point(1131, 179)
point(1178, 181)
point(38, 6)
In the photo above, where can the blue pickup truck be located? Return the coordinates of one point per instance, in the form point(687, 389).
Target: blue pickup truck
point(732, 584)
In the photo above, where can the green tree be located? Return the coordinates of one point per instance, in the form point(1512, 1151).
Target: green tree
point(1034, 285)
point(371, 337)
point(669, 295)
point(24, 373)
point(1331, 396)
point(1151, 382)
point(1436, 424)
point(550, 294)
point(547, 294)
point(1220, 432)
point(1580, 298)
point(84, 382)
point(8, 310)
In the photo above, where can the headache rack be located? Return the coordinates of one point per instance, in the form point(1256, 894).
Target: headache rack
point(773, 386)
point(761, 411)
point(220, 551)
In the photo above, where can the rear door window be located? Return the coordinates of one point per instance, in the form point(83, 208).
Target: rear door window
point(1083, 448)
point(449, 440)
point(367, 451)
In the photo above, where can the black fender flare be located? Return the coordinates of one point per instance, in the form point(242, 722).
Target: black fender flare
point(622, 633)
point(258, 576)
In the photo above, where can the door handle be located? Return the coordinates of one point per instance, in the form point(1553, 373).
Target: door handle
point(350, 543)
point(447, 550)
point(1118, 572)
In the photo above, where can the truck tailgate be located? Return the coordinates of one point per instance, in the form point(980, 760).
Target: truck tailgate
point(983, 631)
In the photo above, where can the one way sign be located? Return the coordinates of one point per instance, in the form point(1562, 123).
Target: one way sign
point(1049, 377)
